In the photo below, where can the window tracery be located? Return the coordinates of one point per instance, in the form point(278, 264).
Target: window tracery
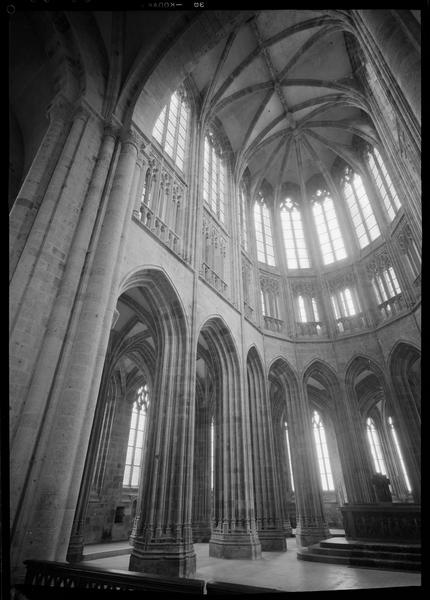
point(293, 234)
point(135, 444)
point(363, 218)
point(327, 225)
point(263, 232)
point(383, 183)
point(171, 129)
point(322, 452)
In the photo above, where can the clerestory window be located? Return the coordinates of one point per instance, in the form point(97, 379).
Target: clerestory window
point(385, 285)
point(327, 225)
point(263, 233)
point(135, 444)
point(294, 239)
point(383, 183)
point(362, 215)
point(214, 178)
point(243, 221)
point(171, 129)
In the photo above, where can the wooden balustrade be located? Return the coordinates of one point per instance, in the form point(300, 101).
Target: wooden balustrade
point(44, 573)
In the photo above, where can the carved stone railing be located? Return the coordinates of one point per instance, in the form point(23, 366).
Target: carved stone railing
point(310, 328)
point(248, 311)
point(347, 324)
point(159, 228)
point(213, 279)
point(391, 307)
point(273, 324)
point(44, 573)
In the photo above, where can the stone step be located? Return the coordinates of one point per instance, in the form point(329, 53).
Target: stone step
point(342, 543)
point(357, 553)
point(376, 563)
point(96, 554)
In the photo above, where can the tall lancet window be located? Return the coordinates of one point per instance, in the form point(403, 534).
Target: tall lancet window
point(360, 208)
point(294, 238)
point(243, 221)
point(322, 453)
point(212, 453)
point(375, 447)
point(133, 461)
point(172, 127)
point(384, 183)
point(263, 232)
point(399, 453)
point(214, 177)
point(290, 464)
point(329, 234)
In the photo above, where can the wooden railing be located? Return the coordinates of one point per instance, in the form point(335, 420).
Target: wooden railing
point(64, 575)
point(47, 574)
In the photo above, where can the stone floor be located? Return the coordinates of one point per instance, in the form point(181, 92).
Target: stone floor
point(280, 570)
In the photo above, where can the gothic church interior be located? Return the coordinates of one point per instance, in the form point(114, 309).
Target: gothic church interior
point(215, 284)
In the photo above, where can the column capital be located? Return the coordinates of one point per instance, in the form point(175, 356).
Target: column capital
point(59, 109)
point(111, 129)
point(131, 136)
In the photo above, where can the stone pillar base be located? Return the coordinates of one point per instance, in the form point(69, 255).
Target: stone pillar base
point(75, 549)
point(170, 560)
point(234, 545)
point(306, 536)
point(272, 540)
point(201, 533)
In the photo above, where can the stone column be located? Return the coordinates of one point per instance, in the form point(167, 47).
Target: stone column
point(234, 532)
point(50, 497)
point(311, 523)
point(399, 52)
point(32, 417)
point(266, 494)
point(162, 541)
point(76, 543)
point(38, 178)
point(201, 514)
point(354, 457)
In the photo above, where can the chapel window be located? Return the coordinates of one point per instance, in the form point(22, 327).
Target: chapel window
point(399, 453)
point(375, 447)
point(134, 457)
point(290, 465)
point(322, 453)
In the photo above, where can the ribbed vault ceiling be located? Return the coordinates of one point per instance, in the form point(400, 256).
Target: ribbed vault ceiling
point(283, 89)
